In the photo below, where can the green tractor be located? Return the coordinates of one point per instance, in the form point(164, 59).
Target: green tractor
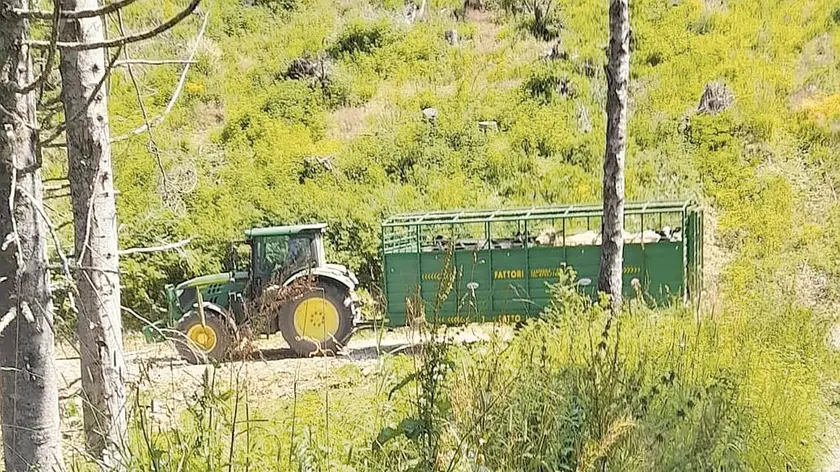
point(288, 287)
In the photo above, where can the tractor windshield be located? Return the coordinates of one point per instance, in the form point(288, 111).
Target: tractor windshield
point(281, 256)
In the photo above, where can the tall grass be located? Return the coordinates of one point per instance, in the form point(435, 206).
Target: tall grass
point(577, 390)
point(648, 390)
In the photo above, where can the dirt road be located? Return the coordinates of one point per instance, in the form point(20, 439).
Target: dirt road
point(164, 379)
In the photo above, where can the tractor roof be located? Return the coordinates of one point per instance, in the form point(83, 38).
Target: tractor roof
point(285, 230)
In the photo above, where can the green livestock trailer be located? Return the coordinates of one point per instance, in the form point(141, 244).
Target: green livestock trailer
point(503, 260)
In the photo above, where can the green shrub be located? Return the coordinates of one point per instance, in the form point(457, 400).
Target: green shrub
point(547, 84)
point(640, 392)
point(296, 103)
point(539, 17)
point(835, 15)
point(361, 37)
point(279, 6)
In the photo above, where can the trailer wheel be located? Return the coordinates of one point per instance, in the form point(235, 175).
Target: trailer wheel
point(201, 343)
point(318, 322)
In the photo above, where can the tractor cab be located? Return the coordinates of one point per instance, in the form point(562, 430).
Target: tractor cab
point(316, 317)
point(278, 253)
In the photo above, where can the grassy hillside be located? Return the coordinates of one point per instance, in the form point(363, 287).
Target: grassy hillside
point(245, 145)
point(241, 147)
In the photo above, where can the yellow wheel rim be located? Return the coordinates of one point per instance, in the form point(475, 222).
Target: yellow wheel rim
point(203, 336)
point(316, 318)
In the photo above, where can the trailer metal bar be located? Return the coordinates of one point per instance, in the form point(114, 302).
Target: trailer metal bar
point(532, 213)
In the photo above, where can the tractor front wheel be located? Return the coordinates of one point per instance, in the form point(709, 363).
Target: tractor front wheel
point(320, 321)
point(201, 342)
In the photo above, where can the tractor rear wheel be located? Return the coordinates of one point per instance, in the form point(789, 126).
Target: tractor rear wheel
point(202, 342)
point(320, 321)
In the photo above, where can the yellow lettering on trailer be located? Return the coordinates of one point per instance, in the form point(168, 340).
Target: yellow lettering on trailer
point(544, 273)
point(504, 318)
point(509, 274)
point(510, 318)
point(456, 320)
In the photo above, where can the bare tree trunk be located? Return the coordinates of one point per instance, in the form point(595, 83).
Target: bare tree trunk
point(96, 248)
point(28, 383)
point(618, 76)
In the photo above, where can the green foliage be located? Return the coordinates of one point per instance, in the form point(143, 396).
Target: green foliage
point(545, 84)
point(278, 6)
point(290, 102)
point(243, 145)
point(541, 18)
point(576, 390)
point(580, 389)
point(363, 38)
point(432, 407)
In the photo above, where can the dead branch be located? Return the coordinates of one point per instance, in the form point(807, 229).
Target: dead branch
point(122, 40)
point(153, 147)
point(76, 267)
point(68, 396)
point(151, 62)
point(51, 102)
point(71, 15)
point(164, 247)
point(49, 113)
point(183, 79)
point(47, 143)
point(7, 318)
point(52, 188)
point(161, 331)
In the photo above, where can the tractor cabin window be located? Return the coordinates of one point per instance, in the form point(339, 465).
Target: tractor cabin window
point(286, 255)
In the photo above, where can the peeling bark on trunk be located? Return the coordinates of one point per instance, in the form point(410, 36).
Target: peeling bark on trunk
point(28, 383)
point(95, 224)
point(618, 76)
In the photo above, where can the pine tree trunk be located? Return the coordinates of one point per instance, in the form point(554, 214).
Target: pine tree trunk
point(618, 76)
point(28, 382)
point(95, 225)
